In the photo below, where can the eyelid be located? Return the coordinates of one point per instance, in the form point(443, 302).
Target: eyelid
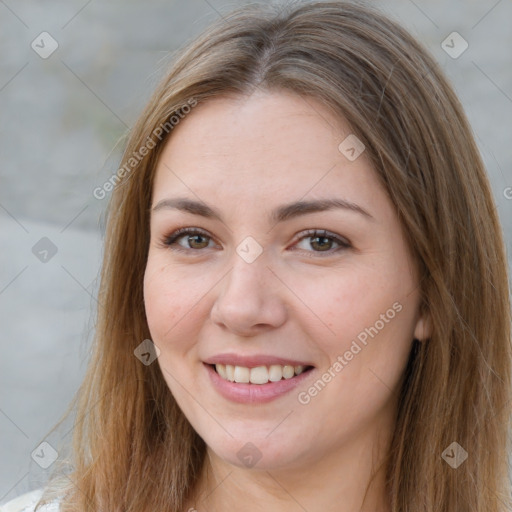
point(342, 241)
point(170, 241)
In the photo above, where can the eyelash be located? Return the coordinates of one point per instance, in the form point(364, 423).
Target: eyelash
point(171, 240)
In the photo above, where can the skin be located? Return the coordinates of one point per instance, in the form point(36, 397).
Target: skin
point(306, 298)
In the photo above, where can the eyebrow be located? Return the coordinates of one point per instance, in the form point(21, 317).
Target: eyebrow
point(279, 214)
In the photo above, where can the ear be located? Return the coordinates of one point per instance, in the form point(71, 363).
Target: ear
point(423, 329)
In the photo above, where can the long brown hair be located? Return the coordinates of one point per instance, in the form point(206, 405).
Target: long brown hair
point(133, 448)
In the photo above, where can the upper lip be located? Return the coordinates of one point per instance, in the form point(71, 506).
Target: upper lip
point(253, 361)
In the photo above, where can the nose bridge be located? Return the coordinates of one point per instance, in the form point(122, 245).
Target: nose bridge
point(247, 297)
point(248, 277)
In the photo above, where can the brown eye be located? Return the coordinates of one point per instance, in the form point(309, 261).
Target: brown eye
point(322, 241)
point(194, 239)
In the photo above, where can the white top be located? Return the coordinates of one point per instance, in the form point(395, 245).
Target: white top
point(27, 502)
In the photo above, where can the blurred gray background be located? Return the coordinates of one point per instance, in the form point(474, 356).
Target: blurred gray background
point(61, 120)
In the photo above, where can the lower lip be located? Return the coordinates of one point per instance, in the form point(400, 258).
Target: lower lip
point(254, 393)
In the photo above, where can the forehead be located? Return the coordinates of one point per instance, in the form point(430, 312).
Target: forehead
point(258, 147)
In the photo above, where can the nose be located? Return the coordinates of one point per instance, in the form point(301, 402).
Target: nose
point(251, 299)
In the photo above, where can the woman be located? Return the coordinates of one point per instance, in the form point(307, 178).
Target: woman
point(234, 362)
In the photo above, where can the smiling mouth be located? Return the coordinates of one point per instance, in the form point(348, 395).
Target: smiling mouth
point(258, 374)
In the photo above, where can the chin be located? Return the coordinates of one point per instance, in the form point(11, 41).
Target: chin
point(256, 452)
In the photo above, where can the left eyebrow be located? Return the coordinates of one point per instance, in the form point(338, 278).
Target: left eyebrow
point(279, 214)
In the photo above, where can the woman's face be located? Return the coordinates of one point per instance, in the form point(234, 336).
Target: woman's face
point(258, 288)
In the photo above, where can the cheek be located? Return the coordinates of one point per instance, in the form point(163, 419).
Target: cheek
point(171, 305)
point(365, 317)
point(168, 299)
point(346, 302)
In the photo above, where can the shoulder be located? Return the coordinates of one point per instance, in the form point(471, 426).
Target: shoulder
point(27, 502)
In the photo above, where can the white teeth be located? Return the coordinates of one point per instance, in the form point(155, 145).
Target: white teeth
point(221, 370)
point(288, 372)
point(230, 372)
point(275, 372)
point(258, 374)
point(242, 374)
